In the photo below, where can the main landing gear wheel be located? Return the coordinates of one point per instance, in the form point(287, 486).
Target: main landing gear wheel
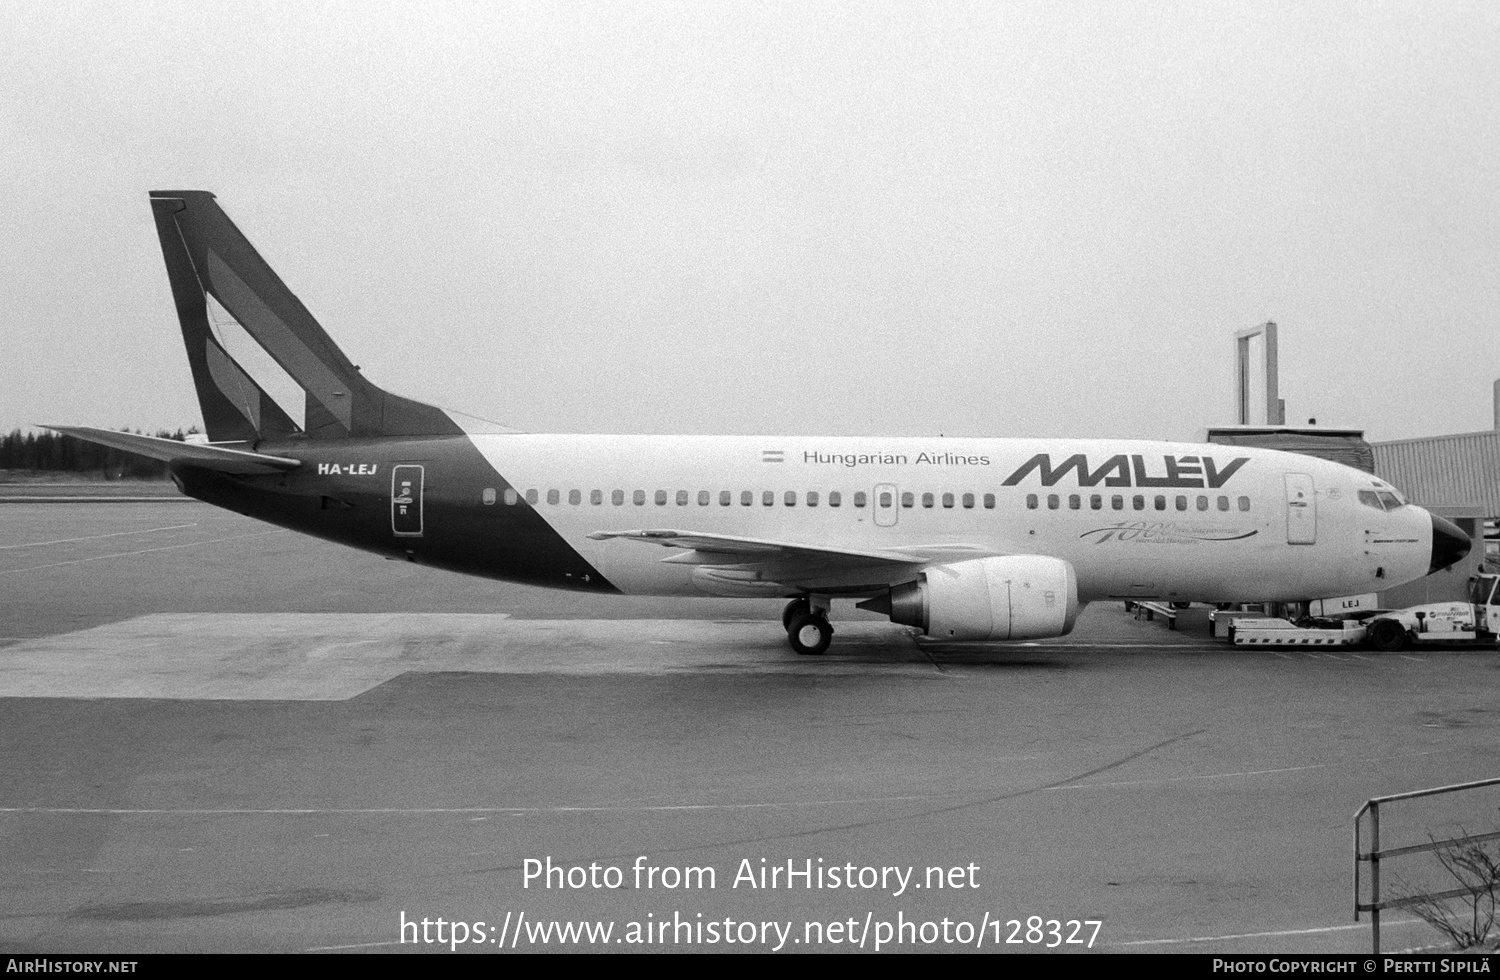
point(809, 634)
point(1388, 636)
point(794, 609)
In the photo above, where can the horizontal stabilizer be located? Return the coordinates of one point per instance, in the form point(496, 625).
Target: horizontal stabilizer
point(207, 456)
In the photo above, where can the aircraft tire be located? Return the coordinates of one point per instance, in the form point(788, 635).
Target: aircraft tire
point(795, 608)
point(809, 634)
point(1388, 636)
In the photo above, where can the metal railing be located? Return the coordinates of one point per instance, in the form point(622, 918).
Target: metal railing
point(1375, 855)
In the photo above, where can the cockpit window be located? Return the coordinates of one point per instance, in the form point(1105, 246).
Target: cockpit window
point(1381, 499)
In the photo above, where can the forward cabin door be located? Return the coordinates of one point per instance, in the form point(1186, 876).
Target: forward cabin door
point(1301, 510)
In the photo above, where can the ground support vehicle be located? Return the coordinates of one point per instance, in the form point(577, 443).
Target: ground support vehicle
point(1472, 623)
point(1275, 632)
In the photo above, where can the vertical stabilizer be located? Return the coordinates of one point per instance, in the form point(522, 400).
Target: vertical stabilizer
point(207, 255)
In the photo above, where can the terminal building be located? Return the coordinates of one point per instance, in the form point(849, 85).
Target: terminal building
point(1453, 476)
point(1457, 477)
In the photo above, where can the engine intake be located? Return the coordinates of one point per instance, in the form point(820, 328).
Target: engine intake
point(1016, 597)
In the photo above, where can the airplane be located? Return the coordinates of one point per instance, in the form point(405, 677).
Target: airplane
point(964, 539)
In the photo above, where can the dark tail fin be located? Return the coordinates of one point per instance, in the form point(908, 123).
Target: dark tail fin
point(206, 255)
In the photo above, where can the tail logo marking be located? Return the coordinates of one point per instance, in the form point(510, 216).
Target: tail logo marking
point(280, 339)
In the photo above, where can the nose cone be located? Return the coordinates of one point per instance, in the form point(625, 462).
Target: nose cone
point(1449, 544)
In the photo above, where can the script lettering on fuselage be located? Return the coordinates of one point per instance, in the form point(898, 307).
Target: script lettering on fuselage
point(1130, 471)
point(347, 469)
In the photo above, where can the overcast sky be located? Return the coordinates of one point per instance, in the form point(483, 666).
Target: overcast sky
point(995, 219)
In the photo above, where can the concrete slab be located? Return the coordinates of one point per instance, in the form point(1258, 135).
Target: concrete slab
point(335, 656)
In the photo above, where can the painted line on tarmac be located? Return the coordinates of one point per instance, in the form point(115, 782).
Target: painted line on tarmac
point(1121, 646)
point(1265, 935)
point(143, 551)
point(95, 537)
point(1185, 779)
point(1248, 772)
point(97, 500)
point(440, 811)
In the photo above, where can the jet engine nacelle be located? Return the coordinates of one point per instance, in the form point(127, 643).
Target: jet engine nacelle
point(1017, 597)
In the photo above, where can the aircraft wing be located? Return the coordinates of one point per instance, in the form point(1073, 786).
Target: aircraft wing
point(206, 455)
point(776, 564)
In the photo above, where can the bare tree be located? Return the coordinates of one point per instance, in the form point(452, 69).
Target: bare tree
point(1464, 914)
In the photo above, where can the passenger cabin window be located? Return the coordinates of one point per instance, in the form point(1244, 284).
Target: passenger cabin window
point(791, 498)
point(1223, 503)
point(617, 497)
point(575, 497)
point(1052, 501)
point(1161, 502)
point(1138, 502)
point(927, 500)
point(747, 498)
point(859, 499)
point(947, 500)
point(1181, 503)
point(768, 499)
point(1202, 502)
point(725, 498)
point(885, 498)
point(639, 497)
point(989, 501)
point(596, 497)
point(1244, 503)
point(969, 501)
point(1031, 501)
point(510, 497)
point(1117, 502)
point(834, 498)
point(704, 498)
point(531, 497)
point(682, 498)
point(1096, 502)
point(661, 498)
point(812, 498)
point(1074, 502)
point(908, 499)
point(552, 497)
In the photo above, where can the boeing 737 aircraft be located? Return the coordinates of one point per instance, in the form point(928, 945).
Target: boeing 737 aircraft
point(964, 539)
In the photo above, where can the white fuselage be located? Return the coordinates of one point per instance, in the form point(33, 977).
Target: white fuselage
point(1134, 518)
